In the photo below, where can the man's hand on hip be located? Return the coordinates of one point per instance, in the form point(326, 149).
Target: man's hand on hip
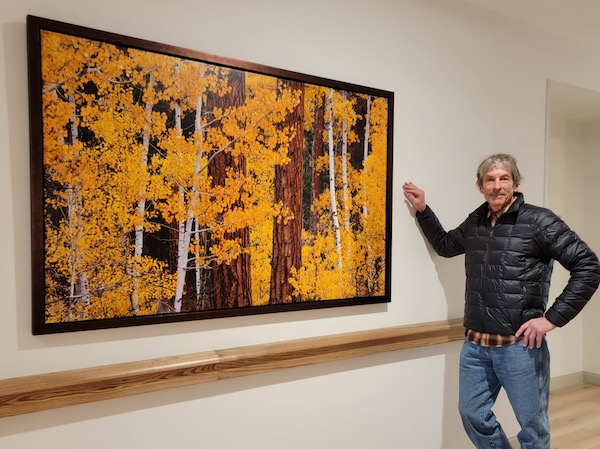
point(533, 331)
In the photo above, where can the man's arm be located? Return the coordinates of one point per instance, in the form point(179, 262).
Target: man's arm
point(565, 246)
point(446, 244)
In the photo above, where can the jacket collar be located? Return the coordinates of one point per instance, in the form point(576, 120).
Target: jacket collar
point(515, 206)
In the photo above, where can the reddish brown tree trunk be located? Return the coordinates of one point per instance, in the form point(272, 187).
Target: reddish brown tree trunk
point(231, 281)
point(287, 235)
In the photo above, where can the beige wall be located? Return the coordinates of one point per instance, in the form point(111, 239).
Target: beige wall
point(467, 83)
point(572, 161)
point(591, 318)
point(565, 159)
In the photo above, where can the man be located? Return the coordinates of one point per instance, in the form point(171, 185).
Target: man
point(509, 248)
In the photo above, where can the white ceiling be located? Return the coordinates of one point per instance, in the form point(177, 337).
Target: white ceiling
point(575, 19)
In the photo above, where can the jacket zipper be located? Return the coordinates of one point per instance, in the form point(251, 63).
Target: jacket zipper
point(485, 269)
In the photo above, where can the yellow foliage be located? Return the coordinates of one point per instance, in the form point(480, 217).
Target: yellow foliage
point(120, 168)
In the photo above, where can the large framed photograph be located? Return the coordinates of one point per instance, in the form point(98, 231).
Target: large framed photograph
point(169, 184)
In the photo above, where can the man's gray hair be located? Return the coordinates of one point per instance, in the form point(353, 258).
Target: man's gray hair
point(506, 161)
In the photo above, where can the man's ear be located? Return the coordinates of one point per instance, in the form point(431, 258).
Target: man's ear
point(516, 188)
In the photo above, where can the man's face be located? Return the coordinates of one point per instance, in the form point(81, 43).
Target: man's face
point(498, 187)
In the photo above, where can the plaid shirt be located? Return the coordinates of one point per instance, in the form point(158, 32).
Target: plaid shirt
point(490, 340)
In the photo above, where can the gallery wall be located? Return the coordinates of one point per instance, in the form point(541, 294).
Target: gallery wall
point(567, 149)
point(572, 158)
point(466, 83)
point(591, 334)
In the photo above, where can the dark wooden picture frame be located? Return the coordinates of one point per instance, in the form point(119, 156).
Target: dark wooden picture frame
point(169, 184)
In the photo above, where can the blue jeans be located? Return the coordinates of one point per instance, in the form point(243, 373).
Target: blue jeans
point(525, 376)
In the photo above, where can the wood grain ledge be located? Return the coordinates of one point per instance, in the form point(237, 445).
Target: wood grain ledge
point(41, 392)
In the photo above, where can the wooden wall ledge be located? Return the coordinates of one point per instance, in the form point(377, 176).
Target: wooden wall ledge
point(48, 391)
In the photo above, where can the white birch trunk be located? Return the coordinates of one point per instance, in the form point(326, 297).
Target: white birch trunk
point(345, 170)
point(72, 257)
point(370, 280)
point(183, 234)
point(334, 212)
point(197, 265)
point(186, 226)
point(141, 207)
point(183, 246)
point(366, 152)
point(72, 225)
point(198, 130)
point(78, 288)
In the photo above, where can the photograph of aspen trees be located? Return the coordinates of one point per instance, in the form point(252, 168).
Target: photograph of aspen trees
point(176, 188)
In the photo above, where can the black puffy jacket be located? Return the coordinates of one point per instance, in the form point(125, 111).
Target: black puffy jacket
point(508, 266)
